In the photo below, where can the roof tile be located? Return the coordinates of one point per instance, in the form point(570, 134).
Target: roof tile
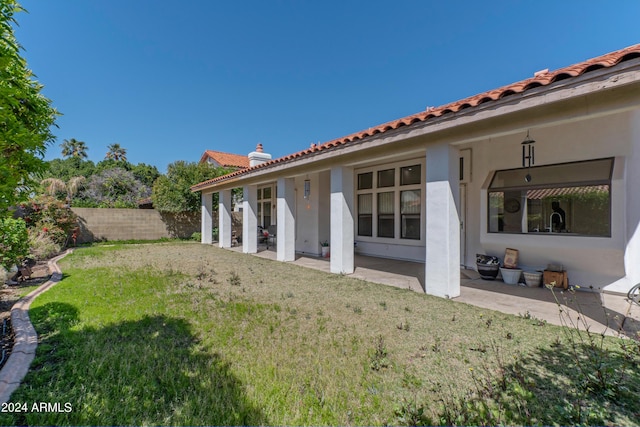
point(539, 79)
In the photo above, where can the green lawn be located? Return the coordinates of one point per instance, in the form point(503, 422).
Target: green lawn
point(186, 334)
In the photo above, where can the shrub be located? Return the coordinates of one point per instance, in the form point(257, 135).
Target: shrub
point(14, 245)
point(46, 214)
point(42, 245)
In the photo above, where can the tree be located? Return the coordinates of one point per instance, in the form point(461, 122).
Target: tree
point(114, 188)
point(65, 169)
point(147, 174)
point(55, 186)
point(26, 117)
point(116, 152)
point(172, 192)
point(74, 148)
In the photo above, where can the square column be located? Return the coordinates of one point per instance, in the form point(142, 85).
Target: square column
point(250, 219)
point(342, 220)
point(442, 264)
point(286, 225)
point(206, 223)
point(224, 220)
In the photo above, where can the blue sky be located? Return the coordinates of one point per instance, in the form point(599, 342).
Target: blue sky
point(170, 79)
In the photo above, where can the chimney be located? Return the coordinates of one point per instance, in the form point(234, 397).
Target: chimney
point(259, 156)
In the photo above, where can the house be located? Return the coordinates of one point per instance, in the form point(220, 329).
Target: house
point(549, 165)
point(225, 160)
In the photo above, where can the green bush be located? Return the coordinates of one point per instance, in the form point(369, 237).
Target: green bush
point(14, 242)
point(42, 245)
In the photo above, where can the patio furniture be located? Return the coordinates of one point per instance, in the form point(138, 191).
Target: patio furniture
point(271, 235)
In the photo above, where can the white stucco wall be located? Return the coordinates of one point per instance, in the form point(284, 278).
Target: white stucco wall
point(589, 261)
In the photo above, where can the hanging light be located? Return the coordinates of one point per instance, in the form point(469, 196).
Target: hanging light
point(528, 151)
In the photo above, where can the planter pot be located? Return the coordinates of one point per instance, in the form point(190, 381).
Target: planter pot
point(532, 279)
point(510, 276)
point(325, 250)
point(488, 271)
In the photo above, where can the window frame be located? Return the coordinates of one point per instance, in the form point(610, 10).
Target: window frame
point(531, 186)
point(396, 189)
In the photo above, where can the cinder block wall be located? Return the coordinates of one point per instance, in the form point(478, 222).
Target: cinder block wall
point(140, 224)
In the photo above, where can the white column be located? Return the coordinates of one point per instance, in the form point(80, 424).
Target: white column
point(206, 223)
point(342, 221)
point(250, 219)
point(286, 231)
point(224, 218)
point(442, 264)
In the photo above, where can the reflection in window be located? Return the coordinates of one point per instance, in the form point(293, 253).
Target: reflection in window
point(576, 201)
point(410, 214)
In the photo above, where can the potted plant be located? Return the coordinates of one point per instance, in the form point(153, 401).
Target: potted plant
point(488, 266)
point(325, 248)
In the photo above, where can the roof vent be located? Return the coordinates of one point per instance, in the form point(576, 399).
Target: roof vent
point(541, 72)
point(259, 156)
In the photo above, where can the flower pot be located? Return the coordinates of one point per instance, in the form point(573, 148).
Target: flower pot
point(510, 276)
point(325, 250)
point(488, 271)
point(532, 279)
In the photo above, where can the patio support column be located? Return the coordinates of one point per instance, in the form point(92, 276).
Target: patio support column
point(206, 223)
point(342, 220)
point(442, 264)
point(250, 219)
point(224, 220)
point(286, 226)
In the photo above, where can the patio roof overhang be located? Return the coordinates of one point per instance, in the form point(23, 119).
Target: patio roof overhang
point(604, 85)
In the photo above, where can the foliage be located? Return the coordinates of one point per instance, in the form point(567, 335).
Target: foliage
point(26, 116)
point(14, 246)
point(74, 148)
point(116, 152)
point(172, 192)
point(42, 245)
point(64, 191)
point(146, 174)
point(113, 188)
point(48, 215)
point(65, 169)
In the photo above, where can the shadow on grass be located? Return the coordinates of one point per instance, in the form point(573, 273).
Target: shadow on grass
point(575, 383)
point(148, 371)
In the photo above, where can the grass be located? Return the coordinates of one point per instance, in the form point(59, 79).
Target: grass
point(182, 333)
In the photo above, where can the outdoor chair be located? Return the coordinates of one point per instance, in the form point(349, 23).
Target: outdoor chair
point(271, 236)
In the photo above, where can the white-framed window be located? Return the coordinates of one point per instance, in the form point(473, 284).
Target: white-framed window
point(390, 201)
point(266, 205)
point(566, 199)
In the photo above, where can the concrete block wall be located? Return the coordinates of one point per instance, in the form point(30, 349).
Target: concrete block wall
point(98, 224)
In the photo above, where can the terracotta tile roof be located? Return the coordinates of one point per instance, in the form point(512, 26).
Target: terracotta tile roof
point(543, 78)
point(226, 160)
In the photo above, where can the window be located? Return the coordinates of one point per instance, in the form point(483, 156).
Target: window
point(365, 181)
point(410, 203)
point(386, 178)
point(386, 217)
point(365, 214)
point(568, 198)
point(410, 175)
point(389, 202)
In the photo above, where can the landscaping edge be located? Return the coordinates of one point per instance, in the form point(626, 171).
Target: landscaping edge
point(25, 336)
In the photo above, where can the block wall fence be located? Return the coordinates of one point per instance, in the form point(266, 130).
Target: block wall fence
point(98, 224)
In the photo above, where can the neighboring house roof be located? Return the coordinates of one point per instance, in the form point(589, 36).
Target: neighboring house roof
point(542, 78)
point(226, 160)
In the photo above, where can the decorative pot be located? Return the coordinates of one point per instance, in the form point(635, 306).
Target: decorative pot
point(325, 250)
point(510, 276)
point(488, 271)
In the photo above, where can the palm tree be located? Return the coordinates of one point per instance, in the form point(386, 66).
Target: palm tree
point(74, 148)
point(55, 185)
point(116, 152)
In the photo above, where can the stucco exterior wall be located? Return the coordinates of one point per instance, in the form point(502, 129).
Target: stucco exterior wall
point(590, 261)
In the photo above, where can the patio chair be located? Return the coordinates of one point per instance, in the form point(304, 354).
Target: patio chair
point(271, 237)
